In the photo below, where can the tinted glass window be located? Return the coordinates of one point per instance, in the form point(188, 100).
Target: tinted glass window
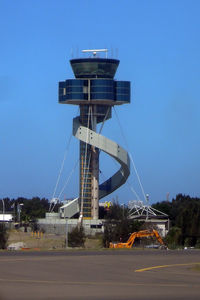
point(94, 67)
point(102, 96)
point(123, 84)
point(102, 89)
point(123, 97)
point(101, 82)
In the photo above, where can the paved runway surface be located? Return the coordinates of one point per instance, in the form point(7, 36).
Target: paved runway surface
point(104, 275)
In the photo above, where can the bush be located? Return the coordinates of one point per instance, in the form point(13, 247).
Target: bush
point(34, 226)
point(198, 243)
point(190, 241)
point(76, 238)
point(119, 231)
point(3, 236)
point(174, 237)
point(118, 226)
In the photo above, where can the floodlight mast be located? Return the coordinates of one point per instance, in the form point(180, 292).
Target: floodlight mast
point(94, 51)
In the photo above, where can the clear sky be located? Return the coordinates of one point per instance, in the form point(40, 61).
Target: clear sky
point(158, 44)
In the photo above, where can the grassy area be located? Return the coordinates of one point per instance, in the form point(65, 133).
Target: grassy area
point(93, 243)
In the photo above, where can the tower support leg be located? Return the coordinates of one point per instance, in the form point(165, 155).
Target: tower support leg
point(95, 184)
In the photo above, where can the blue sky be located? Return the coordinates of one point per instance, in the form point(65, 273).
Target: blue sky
point(158, 44)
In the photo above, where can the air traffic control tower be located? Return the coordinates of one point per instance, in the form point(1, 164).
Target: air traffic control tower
point(96, 91)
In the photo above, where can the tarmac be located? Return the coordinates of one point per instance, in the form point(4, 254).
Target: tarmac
point(100, 275)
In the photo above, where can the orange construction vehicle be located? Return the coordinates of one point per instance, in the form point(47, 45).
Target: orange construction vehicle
point(139, 234)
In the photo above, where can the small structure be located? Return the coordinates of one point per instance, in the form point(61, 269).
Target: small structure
point(6, 217)
point(153, 217)
point(70, 209)
point(53, 223)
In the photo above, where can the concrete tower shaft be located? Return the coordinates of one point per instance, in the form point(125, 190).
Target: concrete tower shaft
point(95, 91)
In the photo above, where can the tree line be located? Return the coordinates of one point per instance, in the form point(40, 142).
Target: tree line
point(30, 209)
point(184, 215)
point(183, 212)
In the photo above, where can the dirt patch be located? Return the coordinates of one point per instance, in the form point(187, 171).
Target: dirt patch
point(40, 241)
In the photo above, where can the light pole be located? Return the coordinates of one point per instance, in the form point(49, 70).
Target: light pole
point(19, 208)
point(66, 233)
point(147, 198)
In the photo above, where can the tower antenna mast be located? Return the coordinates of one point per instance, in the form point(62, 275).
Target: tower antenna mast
point(95, 51)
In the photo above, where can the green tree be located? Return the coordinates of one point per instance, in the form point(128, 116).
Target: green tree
point(164, 206)
point(76, 238)
point(33, 208)
point(174, 237)
point(118, 226)
point(3, 236)
point(184, 213)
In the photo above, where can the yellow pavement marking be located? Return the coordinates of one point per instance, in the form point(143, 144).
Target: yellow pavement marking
point(166, 266)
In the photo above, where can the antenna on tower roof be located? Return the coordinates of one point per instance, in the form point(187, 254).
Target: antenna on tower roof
point(72, 52)
point(116, 52)
point(95, 51)
point(112, 52)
